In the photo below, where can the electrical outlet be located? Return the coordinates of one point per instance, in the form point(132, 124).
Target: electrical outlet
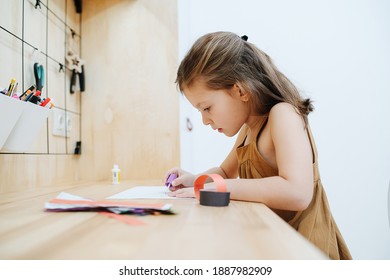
point(62, 123)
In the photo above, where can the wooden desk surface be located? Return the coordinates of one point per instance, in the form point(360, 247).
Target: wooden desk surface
point(243, 230)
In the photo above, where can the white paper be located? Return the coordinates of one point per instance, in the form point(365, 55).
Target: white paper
point(67, 196)
point(144, 192)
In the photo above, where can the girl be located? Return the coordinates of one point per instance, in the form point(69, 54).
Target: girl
point(237, 89)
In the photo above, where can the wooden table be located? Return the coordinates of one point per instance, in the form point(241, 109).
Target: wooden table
point(243, 230)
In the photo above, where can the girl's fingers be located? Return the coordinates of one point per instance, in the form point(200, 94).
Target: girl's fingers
point(175, 170)
point(175, 188)
point(184, 192)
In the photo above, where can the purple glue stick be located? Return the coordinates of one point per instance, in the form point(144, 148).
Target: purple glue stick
point(169, 180)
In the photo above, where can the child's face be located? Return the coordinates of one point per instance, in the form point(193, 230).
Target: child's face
point(224, 110)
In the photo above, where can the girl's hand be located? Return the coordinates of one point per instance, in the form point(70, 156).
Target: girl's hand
point(190, 192)
point(183, 192)
point(184, 179)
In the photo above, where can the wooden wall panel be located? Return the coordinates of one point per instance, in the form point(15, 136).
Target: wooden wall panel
point(130, 109)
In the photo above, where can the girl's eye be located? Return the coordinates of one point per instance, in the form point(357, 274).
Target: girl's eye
point(206, 109)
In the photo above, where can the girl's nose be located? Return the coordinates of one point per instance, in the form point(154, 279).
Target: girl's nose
point(206, 121)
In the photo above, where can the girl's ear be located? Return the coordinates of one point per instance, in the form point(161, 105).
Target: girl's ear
point(241, 93)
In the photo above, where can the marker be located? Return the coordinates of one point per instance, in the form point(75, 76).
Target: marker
point(169, 180)
point(29, 96)
point(50, 104)
point(35, 98)
point(45, 102)
point(11, 86)
point(25, 94)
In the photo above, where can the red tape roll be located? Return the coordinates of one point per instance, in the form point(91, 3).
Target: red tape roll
point(212, 198)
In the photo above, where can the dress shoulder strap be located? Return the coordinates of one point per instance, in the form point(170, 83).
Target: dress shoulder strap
point(260, 128)
point(312, 144)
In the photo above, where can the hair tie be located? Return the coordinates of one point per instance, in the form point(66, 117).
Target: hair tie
point(244, 37)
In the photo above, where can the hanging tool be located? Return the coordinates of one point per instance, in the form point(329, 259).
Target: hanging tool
point(39, 74)
point(79, 6)
point(76, 65)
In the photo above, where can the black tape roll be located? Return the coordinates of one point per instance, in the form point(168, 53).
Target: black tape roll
point(208, 198)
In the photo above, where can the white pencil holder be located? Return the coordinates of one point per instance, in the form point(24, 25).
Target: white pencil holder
point(27, 127)
point(10, 111)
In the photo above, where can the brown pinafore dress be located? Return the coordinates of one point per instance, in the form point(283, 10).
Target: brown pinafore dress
point(316, 222)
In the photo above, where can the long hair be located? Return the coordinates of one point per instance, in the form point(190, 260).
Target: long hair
point(223, 59)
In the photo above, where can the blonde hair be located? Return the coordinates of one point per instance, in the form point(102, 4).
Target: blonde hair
point(223, 59)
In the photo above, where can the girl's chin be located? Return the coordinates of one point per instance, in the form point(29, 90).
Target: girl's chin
point(228, 134)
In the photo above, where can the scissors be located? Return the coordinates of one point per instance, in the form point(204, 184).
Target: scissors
point(39, 74)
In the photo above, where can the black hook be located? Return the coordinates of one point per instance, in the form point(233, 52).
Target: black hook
point(61, 67)
point(38, 4)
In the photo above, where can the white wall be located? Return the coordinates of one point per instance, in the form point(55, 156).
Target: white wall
point(338, 53)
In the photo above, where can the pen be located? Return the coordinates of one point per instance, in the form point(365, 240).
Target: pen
point(13, 91)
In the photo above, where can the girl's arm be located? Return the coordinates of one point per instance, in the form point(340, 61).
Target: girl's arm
point(292, 189)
